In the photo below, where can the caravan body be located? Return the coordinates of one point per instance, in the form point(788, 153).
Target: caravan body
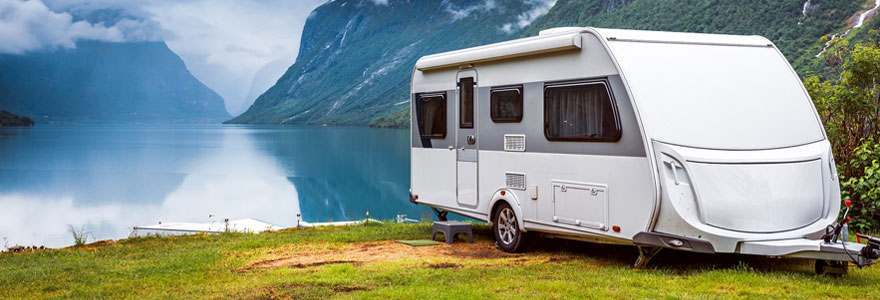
point(697, 142)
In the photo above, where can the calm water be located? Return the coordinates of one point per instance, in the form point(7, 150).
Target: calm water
point(109, 178)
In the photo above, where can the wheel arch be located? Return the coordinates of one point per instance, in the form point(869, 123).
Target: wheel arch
point(511, 200)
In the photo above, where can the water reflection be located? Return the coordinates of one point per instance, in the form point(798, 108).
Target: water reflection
point(340, 173)
point(112, 177)
point(234, 182)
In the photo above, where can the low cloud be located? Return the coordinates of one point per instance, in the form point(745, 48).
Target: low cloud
point(30, 220)
point(225, 42)
point(31, 26)
point(539, 8)
point(465, 11)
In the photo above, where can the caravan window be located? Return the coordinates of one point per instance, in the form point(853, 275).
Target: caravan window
point(506, 104)
point(432, 115)
point(466, 94)
point(580, 112)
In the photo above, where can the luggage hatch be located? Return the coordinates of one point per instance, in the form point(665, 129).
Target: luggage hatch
point(759, 197)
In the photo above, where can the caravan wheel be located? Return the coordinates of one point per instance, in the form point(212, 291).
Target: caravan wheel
point(508, 236)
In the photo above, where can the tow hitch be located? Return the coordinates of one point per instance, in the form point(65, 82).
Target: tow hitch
point(872, 250)
point(863, 257)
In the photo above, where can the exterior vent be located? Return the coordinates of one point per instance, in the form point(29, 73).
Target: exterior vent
point(515, 180)
point(515, 142)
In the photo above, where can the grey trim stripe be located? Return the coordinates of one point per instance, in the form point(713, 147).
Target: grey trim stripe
point(491, 134)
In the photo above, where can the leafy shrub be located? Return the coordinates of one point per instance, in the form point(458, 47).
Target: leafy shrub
point(850, 110)
point(863, 188)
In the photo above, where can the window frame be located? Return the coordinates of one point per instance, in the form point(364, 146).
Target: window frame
point(461, 113)
point(586, 82)
point(445, 117)
point(519, 89)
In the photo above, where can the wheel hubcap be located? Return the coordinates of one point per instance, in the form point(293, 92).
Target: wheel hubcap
point(507, 228)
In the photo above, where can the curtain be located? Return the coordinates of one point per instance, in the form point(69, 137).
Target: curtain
point(582, 112)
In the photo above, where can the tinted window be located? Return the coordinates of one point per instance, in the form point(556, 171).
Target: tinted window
point(466, 92)
point(506, 104)
point(580, 112)
point(432, 115)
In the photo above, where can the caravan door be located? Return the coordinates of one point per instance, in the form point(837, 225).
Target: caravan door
point(466, 138)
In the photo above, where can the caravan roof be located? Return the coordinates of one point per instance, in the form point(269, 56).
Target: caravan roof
point(698, 90)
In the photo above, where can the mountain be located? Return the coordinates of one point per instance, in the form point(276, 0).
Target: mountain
point(356, 57)
point(262, 81)
point(795, 26)
point(141, 81)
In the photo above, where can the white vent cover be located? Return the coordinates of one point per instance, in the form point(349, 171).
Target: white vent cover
point(515, 180)
point(515, 142)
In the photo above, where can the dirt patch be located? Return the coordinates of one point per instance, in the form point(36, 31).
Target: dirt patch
point(363, 253)
point(321, 263)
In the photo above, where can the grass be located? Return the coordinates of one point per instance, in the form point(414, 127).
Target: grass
point(220, 266)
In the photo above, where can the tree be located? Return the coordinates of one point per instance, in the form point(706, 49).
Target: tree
point(849, 106)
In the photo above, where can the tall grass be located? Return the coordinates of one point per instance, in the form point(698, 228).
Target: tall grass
point(80, 236)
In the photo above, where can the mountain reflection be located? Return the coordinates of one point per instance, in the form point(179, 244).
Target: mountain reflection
point(109, 178)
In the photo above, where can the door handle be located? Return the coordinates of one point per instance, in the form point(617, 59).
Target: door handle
point(451, 148)
point(471, 140)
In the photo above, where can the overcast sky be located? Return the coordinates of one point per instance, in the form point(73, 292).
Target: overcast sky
point(223, 42)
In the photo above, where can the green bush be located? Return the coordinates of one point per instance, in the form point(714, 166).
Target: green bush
point(850, 110)
point(863, 188)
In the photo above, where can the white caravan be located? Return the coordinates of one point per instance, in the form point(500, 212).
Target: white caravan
point(696, 142)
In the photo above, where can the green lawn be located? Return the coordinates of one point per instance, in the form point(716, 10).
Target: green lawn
point(353, 262)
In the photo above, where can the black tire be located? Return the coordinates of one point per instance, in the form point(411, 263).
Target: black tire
point(505, 226)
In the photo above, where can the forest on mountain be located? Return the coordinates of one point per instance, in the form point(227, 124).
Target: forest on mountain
point(356, 56)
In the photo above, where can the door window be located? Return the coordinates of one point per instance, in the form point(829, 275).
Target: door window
point(466, 94)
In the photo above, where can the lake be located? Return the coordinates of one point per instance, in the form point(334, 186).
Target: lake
point(108, 178)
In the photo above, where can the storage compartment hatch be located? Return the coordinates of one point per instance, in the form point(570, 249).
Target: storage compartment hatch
point(580, 204)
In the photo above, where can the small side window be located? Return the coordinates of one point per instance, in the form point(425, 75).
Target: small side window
point(580, 112)
point(432, 115)
point(466, 94)
point(506, 104)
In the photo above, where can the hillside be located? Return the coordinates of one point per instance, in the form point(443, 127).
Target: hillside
point(106, 82)
point(356, 57)
point(794, 26)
